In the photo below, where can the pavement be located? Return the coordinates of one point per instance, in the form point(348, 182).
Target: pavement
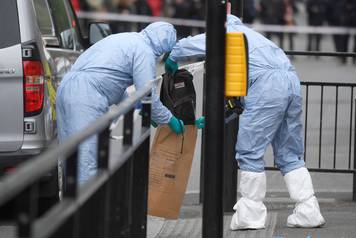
point(340, 216)
point(333, 190)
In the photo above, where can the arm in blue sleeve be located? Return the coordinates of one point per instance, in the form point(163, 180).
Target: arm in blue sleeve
point(187, 48)
point(144, 70)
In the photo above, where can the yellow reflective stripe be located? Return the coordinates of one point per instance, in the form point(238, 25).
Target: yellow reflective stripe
point(52, 97)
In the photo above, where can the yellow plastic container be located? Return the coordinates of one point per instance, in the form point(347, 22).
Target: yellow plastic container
point(236, 65)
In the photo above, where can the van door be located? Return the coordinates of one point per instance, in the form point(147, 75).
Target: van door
point(11, 79)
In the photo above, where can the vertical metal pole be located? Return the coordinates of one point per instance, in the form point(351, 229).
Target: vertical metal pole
point(121, 189)
point(202, 150)
point(335, 128)
point(128, 128)
point(71, 176)
point(230, 165)
point(350, 136)
point(306, 123)
point(354, 175)
point(321, 123)
point(103, 149)
point(214, 146)
point(126, 182)
point(26, 205)
point(140, 178)
point(70, 191)
point(120, 201)
point(103, 164)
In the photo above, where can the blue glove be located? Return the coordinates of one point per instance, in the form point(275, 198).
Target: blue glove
point(176, 125)
point(200, 122)
point(154, 124)
point(170, 66)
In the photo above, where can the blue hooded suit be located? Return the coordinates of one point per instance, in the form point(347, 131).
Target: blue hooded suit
point(272, 107)
point(99, 79)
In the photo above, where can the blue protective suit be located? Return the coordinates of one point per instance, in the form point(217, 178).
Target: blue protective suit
point(273, 105)
point(99, 79)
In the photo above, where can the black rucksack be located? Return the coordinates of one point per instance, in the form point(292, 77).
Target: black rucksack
point(178, 95)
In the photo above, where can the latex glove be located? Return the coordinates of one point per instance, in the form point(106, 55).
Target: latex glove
point(154, 124)
point(170, 66)
point(200, 122)
point(176, 125)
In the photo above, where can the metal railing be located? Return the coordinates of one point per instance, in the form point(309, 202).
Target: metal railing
point(113, 203)
point(345, 155)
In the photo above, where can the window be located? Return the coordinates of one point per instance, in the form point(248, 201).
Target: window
point(75, 26)
point(43, 17)
point(62, 24)
point(9, 24)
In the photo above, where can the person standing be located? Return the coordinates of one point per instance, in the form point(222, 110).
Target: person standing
point(272, 13)
point(99, 79)
point(272, 110)
point(316, 10)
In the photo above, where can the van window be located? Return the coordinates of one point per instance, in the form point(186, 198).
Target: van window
point(75, 26)
point(9, 24)
point(62, 24)
point(43, 17)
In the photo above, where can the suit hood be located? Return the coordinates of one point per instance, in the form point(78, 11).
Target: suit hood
point(161, 36)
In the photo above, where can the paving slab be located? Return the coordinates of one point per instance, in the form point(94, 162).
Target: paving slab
point(340, 217)
point(340, 222)
point(192, 227)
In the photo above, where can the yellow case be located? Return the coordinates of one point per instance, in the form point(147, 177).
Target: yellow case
point(236, 65)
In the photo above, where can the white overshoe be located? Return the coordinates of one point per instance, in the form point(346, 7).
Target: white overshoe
point(306, 212)
point(250, 212)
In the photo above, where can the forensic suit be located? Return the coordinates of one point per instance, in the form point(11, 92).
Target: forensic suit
point(99, 79)
point(272, 113)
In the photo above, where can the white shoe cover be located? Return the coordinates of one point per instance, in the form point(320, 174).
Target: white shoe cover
point(250, 212)
point(306, 212)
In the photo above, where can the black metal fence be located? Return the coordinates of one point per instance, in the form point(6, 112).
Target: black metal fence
point(113, 203)
point(338, 127)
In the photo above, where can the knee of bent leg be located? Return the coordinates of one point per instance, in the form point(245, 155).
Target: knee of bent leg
point(249, 164)
point(287, 165)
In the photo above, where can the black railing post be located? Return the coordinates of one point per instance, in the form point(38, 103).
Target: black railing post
point(140, 177)
point(71, 171)
point(103, 149)
point(27, 208)
point(354, 175)
point(214, 131)
point(70, 191)
point(202, 150)
point(103, 164)
point(120, 202)
point(230, 165)
point(121, 189)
